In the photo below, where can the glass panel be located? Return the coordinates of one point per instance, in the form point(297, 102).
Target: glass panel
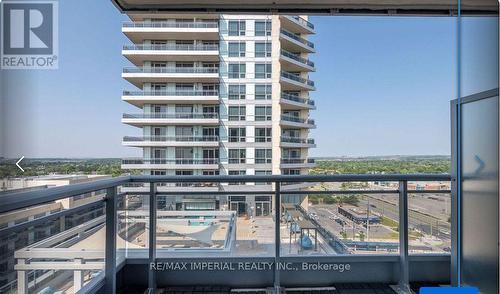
point(35, 253)
point(332, 224)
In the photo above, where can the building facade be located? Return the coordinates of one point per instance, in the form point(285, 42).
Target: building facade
point(220, 94)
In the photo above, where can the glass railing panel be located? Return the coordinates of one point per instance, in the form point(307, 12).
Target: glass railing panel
point(161, 115)
point(164, 24)
point(429, 217)
point(193, 70)
point(297, 58)
point(297, 38)
point(171, 93)
point(42, 240)
point(339, 219)
point(184, 47)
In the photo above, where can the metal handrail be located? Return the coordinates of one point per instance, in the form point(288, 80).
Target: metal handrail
point(172, 93)
point(165, 24)
point(297, 38)
point(21, 200)
point(297, 58)
point(171, 139)
point(296, 78)
point(171, 69)
point(187, 47)
point(200, 115)
point(297, 99)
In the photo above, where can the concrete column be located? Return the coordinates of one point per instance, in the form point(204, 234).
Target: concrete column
point(22, 279)
point(78, 276)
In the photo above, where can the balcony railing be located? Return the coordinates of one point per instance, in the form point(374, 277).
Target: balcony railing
point(171, 69)
point(207, 115)
point(172, 93)
point(295, 119)
point(164, 24)
point(171, 139)
point(301, 21)
point(297, 58)
point(297, 78)
point(384, 267)
point(297, 160)
point(172, 47)
point(297, 140)
point(297, 38)
point(200, 161)
point(296, 98)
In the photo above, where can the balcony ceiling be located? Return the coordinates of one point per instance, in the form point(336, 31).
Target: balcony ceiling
point(349, 7)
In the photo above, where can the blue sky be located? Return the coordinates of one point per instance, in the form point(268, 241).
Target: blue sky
point(384, 85)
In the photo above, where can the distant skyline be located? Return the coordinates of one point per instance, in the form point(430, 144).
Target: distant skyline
point(383, 86)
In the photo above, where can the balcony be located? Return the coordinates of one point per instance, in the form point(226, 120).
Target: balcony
point(297, 163)
point(293, 62)
point(139, 98)
point(297, 142)
point(142, 119)
point(138, 54)
point(294, 43)
point(138, 31)
point(174, 163)
point(167, 141)
point(140, 75)
point(210, 246)
point(297, 24)
point(297, 122)
point(293, 102)
point(293, 82)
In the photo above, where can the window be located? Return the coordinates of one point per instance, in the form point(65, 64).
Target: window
point(210, 172)
point(263, 70)
point(237, 112)
point(236, 28)
point(263, 135)
point(263, 156)
point(237, 92)
point(237, 134)
point(263, 91)
point(236, 49)
point(237, 70)
point(263, 28)
point(237, 173)
point(263, 173)
point(182, 87)
point(291, 172)
point(263, 113)
point(237, 156)
point(263, 49)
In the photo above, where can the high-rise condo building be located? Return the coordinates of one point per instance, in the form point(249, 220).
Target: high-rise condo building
point(220, 94)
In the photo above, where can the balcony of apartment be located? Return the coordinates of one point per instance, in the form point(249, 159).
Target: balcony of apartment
point(171, 141)
point(142, 119)
point(295, 43)
point(297, 122)
point(289, 101)
point(138, 31)
point(140, 75)
point(140, 98)
point(294, 82)
point(297, 24)
point(170, 163)
point(133, 188)
point(297, 142)
point(294, 162)
point(293, 62)
point(140, 53)
point(219, 246)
